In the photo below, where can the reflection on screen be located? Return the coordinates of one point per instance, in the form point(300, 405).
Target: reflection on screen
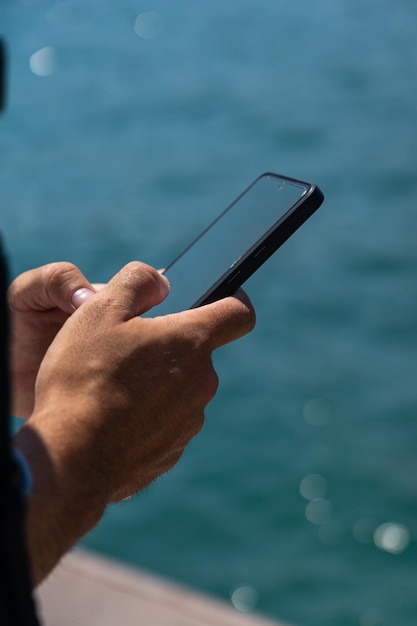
point(238, 230)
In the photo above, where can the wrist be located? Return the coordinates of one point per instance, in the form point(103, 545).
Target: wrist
point(67, 498)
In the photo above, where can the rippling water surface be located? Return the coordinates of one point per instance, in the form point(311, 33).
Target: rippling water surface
point(130, 125)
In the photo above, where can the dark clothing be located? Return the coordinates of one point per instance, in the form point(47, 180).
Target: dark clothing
point(16, 602)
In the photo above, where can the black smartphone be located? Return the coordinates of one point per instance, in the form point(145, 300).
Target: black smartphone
point(238, 242)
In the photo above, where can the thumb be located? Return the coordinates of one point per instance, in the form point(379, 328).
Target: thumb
point(134, 290)
point(48, 287)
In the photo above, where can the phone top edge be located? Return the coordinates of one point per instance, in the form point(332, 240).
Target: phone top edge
point(269, 243)
point(301, 204)
point(310, 189)
point(289, 179)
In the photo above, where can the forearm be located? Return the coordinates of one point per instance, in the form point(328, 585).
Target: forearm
point(67, 498)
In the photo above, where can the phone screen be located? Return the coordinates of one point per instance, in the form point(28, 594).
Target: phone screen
point(232, 237)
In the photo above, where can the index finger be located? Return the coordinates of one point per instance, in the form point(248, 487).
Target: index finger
point(225, 320)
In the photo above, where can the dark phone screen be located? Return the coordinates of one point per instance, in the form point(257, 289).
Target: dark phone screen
point(242, 226)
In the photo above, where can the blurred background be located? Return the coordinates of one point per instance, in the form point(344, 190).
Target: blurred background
point(130, 125)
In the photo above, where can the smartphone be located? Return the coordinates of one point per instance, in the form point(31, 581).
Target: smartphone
point(238, 242)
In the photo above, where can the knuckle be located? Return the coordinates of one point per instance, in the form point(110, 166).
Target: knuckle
point(135, 268)
point(211, 384)
point(60, 273)
point(194, 427)
point(206, 385)
point(198, 424)
point(135, 272)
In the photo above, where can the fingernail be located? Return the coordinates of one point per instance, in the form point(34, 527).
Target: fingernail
point(80, 296)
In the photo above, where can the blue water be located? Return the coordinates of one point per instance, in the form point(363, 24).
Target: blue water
point(139, 123)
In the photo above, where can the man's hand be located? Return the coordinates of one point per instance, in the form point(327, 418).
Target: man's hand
point(40, 303)
point(118, 397)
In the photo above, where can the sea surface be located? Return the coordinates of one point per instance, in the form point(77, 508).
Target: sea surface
point(130, 125)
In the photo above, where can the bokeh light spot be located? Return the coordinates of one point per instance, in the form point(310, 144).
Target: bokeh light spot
point(318, 511)
point(42, 62)
point(148, 25)
point(313, 486)
point(245, 599)
point(392, 537)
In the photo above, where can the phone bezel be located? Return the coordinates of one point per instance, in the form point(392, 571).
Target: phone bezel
point(260, 252)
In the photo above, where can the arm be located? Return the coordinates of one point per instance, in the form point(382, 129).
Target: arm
point(118, 397)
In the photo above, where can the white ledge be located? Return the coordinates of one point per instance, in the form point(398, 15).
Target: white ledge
point(90, 590)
